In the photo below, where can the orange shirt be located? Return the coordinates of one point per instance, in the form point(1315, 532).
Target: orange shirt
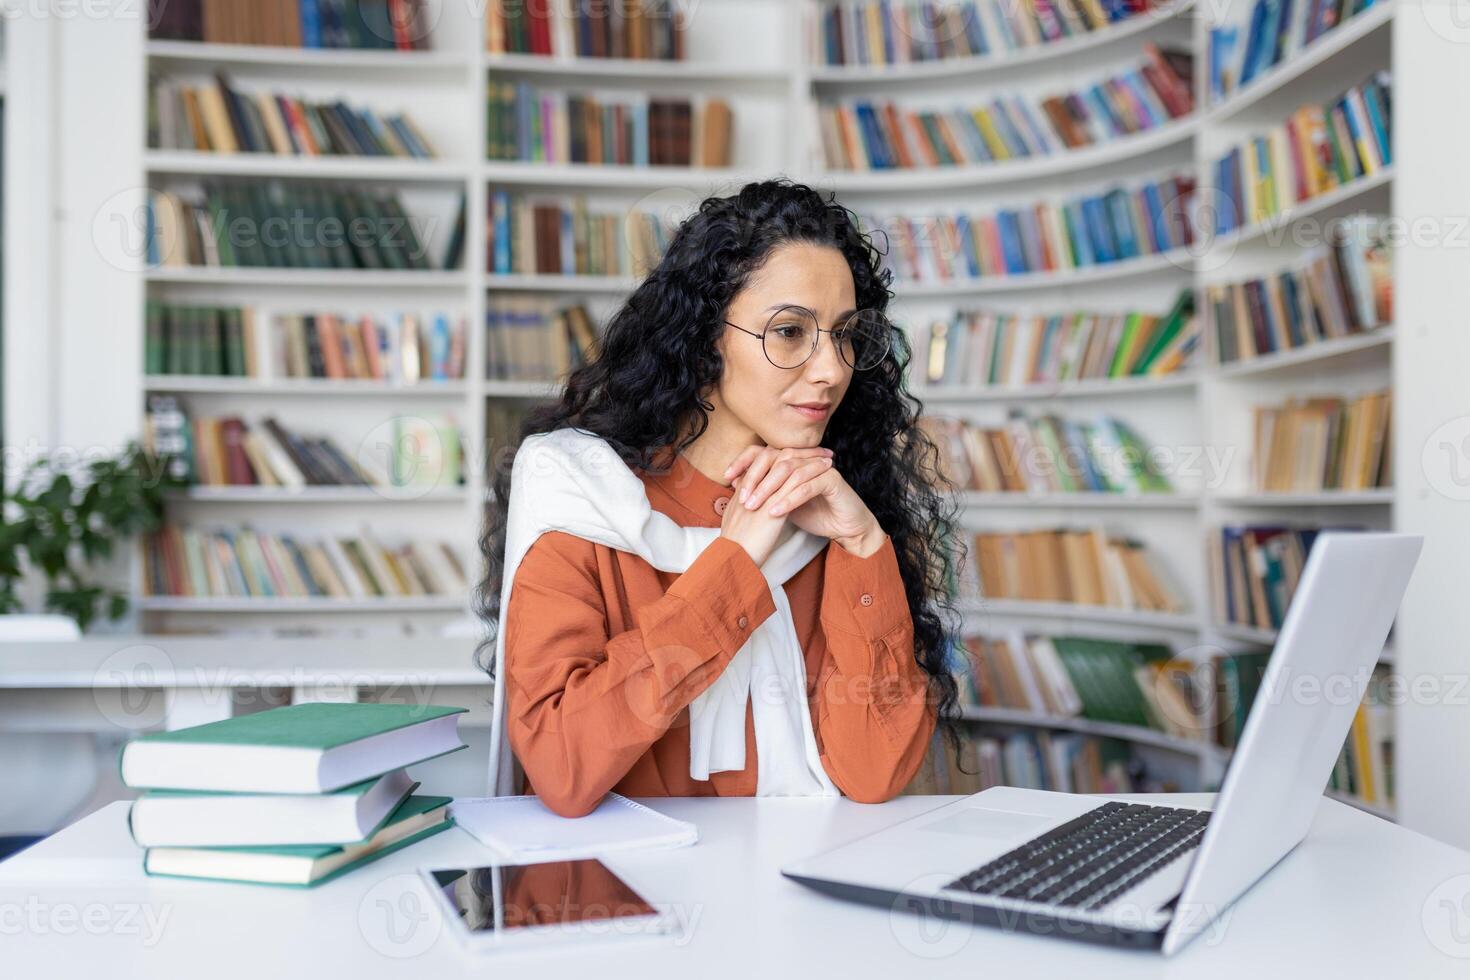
point(604, 653)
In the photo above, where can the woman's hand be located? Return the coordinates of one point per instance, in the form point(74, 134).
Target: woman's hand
point(757, 529)
point(803, 484)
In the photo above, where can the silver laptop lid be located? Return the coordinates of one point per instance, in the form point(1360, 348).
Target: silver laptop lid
point(1334, 632)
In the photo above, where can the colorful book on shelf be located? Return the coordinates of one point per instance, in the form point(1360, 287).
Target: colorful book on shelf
point(1044, 454)
point(350, 24)
point(188, 562)
point(563, 236)
point(880, 135)
point(223, 119)
point(531, 125)
point(1067, 762)
point(1079, 566)
point(1256, 37)
point(190, 818)
point(332, 227)
point(646, 30)
point(533, 339)
point(199, 340)
point(1255, 570)
point(900, 32)
point(303, 865)
point(401, 348)
point(1312, 444)
point(311, 748)
point(1337, 290)
point(1116, 225)
point(1319, 148)
point(983, 348)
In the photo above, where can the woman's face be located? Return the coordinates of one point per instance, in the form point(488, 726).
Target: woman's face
point(757, 402)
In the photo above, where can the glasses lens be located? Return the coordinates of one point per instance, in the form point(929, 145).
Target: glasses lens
point(790, 337)
point(864, 339)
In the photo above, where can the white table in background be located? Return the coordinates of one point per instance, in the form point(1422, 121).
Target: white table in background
point(1359, 898)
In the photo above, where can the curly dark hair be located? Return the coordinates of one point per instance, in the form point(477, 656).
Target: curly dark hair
point(644, 394)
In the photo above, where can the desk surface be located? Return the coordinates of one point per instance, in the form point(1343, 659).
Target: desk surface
point(1359, 898)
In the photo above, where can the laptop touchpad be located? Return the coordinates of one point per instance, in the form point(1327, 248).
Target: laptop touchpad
point(980, 822)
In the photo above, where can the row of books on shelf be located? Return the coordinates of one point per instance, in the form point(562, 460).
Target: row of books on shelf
point(1255, 570)
point(884, 135)
point(292, 225)
point(529, 124)
point(1045, 454)
point(248, 563)
point(398, 348)
point(984, 348)
point(899, 32)
point(217, 803)
point(531, 339)
point(220, 118)
point(560, 236)
point(1064, 762)
point(1320, 443)
point(353, 24)
point(1319, 148)
point(645, 30)
point(1079, 232)
point(228, 451)
point(1337, 290)
point(1261, 35)
point(1081, 566)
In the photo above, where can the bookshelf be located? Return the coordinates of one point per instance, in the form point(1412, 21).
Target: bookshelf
point(756, 55)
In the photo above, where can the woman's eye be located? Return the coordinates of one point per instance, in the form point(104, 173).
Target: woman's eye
point(788, 331)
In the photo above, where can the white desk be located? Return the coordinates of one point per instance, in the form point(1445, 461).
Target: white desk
point(1359, 898)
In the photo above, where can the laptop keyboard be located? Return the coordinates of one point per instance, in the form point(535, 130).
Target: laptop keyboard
point(1087, 862)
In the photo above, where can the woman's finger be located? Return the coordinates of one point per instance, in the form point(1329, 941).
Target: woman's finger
point(766, 473)
point(733, 471)
point(806, 482)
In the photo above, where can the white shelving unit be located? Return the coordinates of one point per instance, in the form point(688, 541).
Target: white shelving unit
point(774, 83)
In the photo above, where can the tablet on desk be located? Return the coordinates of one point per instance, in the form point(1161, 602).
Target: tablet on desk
point(553, 903)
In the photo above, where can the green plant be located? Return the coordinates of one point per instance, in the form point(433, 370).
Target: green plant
point(62, 522)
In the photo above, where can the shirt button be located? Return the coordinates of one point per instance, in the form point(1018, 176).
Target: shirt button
point(720, 504)
point(866, 599)
point(741, 622)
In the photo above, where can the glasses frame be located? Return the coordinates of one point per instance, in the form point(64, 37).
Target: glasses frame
point(820, 330)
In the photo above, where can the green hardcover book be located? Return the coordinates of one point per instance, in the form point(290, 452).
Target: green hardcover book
point(233, 329)
point(1179, 314)
point(301, 748)
point(155, 338)
point(303, 865)
point(212, 346)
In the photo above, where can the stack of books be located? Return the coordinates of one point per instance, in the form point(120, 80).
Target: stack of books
point(186, 562)
point(985, 348)
point(1337, 290)
point(1113, 225)
point(331, 227)
point(898, 32)
point(1260, 35)
point(531, 339)
point(649, 29)
point(1323, 443)
point(222, 119)
point(869, 135)
point(1321, 147)
point(199, 340)
point(526, 124)
point(373, 24)
point(1046, 454)
point(1083, 566)
point(558, 236)
point(290, 796)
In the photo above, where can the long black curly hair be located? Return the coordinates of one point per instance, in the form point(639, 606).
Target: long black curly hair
point(644, 393)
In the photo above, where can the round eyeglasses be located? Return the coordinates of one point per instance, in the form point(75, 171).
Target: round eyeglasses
point(792, 334)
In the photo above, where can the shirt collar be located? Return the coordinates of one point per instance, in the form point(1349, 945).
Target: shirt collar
point(684, 493)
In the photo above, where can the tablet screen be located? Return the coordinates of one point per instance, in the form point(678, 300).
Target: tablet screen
point(583, 895)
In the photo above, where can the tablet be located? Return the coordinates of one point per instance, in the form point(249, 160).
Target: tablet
point(548, 904)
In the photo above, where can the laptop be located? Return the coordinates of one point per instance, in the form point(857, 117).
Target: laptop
point(1118, 872)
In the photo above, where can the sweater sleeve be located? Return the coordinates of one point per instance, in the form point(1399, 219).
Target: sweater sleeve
point(871, 706)
point(583, 704)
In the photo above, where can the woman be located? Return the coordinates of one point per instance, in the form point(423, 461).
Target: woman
point(754, 387)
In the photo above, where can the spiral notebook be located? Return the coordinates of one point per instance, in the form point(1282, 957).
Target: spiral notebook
point(523, 829)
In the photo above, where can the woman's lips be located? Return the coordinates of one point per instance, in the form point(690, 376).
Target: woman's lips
point(815, 411)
